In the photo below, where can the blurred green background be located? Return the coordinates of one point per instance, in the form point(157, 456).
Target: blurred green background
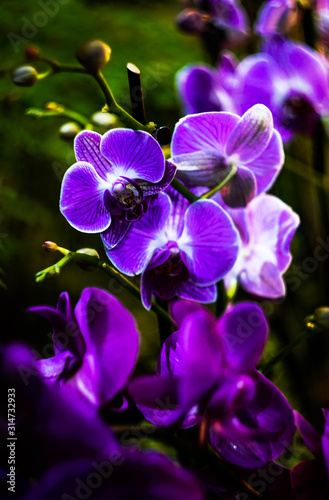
point(33, 159)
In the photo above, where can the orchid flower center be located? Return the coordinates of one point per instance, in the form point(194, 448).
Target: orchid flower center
point(298, 114)
point(173, 266)
point(166, 278)
point(127, 192)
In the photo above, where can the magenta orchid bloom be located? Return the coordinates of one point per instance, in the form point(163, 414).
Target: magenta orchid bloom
point(266, 227)
point(113, 181)
point(96, 345)
point(206, 146)
point(180, 249)
point(206, 370)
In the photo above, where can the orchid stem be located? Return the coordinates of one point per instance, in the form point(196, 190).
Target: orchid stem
point(112, 105)
point(93, 260)
point(310, 330)
point(60, 110)
point(215, 190)
point(136, 93)
point(184, 191)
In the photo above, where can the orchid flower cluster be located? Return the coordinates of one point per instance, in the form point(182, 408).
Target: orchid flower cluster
point(193, 224)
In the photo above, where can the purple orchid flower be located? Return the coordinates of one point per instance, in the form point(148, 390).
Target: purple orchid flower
point(221, 23)
point(202, 88)
point(206, 370)
point(113, 181)
point(266, 228)
point(291, 80)
point(276, 17)
point(229, 18)
point(180, 249)
point(310, 478)
point(96, 346)
point(129, 474)
point(206, 146)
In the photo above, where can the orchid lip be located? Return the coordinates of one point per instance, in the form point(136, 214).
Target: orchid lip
point(126, 192)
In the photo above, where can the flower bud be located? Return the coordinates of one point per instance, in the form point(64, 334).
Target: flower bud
point(94, 55)
point(106, 120)
point(53, 106)
point(89, 251)
point(25, 76)
point(84, 265)
point(69, 130)
point(321, 316)
point(31, 52)
point(192, 21)
point(50, 246)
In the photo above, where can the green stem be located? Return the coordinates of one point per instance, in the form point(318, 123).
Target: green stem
point(303, 170)
point(60, 111)
point(95, 261)
point(77, 117)
point(215, 190)
point(114, 107)
point(58, 67)
point(184, 191)
point(310, 330)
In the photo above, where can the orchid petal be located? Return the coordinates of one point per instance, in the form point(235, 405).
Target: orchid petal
point(133, 253)
point(81, 199)
point(244, 332)
point(209, 242)
point(251, 135)
point(133, 154)
point(87, 149)
point(112, 342)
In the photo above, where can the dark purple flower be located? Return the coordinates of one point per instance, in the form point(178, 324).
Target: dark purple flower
point(124, 475)
point(113, 181)
point(266, 228)
point(309, 478)
point(206, 146)
point(180, 249)
point(206, 370)
point(202, 88)
point(291, 80)
point(96, 346)
point(228, 19)
point(276, 17)
point(52, 424)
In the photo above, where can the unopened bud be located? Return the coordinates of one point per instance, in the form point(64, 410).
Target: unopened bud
point(192, 21)
point(87, 251)
point(69, 130)
point(321, 316)
point(50, 246)
point(32, 52)
point(106, 120)
point(25, 76)
point(53, 106)
point(94, 55)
